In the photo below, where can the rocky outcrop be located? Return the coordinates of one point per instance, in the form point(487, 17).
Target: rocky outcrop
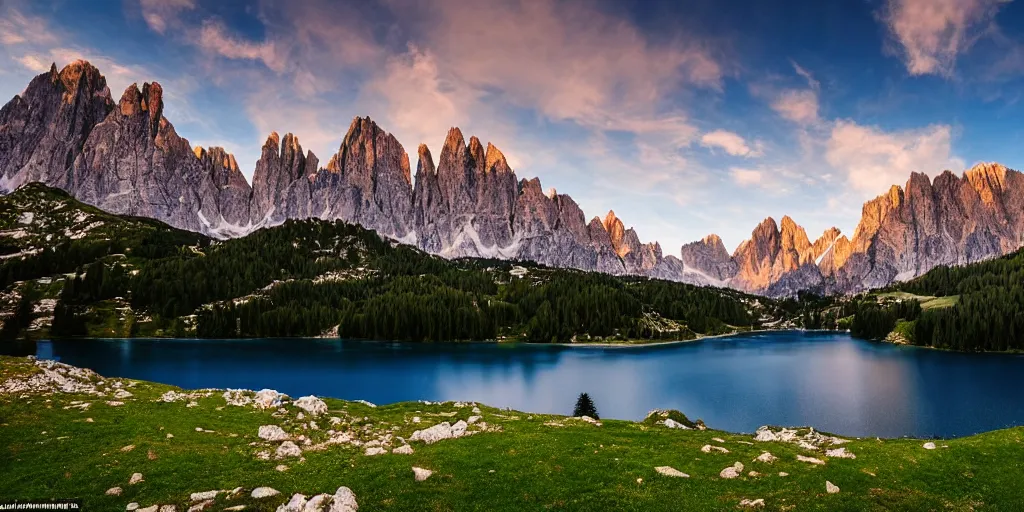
point(708, 256)
point(134, 163)
point(223, 191)
point(43, 130)
point(66, 131)
point(281, 182)
point(367, 182)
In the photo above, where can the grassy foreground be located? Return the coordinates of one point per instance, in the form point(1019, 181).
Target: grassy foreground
point(53, 446)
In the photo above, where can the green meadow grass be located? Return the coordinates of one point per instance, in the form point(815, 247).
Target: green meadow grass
point(47, 451)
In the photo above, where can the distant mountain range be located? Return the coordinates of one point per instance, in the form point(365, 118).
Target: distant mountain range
point(66, 131)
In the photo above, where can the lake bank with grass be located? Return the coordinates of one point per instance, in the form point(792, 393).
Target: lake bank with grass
point(71, 433)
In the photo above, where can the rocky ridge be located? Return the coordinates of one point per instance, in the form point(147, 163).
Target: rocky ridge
point(66, 131)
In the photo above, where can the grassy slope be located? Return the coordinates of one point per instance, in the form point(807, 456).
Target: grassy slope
point(927, 301)
point(47, 451)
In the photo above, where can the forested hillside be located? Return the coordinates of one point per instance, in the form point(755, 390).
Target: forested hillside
point(973, 307)
point(72, 270)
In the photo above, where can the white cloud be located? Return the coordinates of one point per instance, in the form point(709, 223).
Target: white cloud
point(873, 159)
point(797, 105)
point(931, 34)
point(732, 143)
point(746, 177)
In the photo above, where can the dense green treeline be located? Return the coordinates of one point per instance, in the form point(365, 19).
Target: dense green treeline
point(985, 313)
point(305, 278)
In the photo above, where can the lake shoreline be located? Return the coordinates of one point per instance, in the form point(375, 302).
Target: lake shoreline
point(599, 344)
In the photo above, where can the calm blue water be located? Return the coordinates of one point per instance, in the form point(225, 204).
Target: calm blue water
point(827, 380)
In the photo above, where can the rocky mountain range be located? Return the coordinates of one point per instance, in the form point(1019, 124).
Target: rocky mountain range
point(66, 131)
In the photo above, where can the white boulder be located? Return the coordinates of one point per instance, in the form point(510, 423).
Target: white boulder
point(421, 474)
point(288, 449)
point(311, 405)
point(273, 433)
point(344, 501)
point(670, 471)
point(264, 492)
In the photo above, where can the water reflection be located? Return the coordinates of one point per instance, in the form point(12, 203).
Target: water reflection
point(823, 379)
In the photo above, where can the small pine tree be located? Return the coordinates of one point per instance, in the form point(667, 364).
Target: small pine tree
point(585, 407)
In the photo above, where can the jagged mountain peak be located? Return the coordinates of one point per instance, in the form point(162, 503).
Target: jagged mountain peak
point(218, 155)
point(149, 101)
point(273, 140)
point(454, 140)
point(426, 160)
point(79, 72)
point(495, 160)
point(471, 203)
point(712, 239)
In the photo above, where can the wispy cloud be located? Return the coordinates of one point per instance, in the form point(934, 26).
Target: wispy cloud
point(160, 14)
point(931, 34)
point(873, 159)
point(799, 106)
point(732, 143)
point(746, 177)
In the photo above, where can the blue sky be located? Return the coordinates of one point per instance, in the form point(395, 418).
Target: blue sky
point(685, 117)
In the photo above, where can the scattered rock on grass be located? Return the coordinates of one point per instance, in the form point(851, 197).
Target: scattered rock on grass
point(128, 448)
point(296, 504)
point(317, 503)
point(132, 506)
point(810, 460)
point(267, 399)
point(732, 471)
point(421, 474)
point(201, 506)
point(403, 450)
point(288, 449)
point(311, 405)
point(929, 446)
point(375, 450)
point(709, 448)
point(264, 492)
point(114, 491)
point(281, 467)
point(766, 457)
point(671, 423)
point(205, 495)
point(272, 433)
point(840, 453)
point(439, 432)
point(344, 501)
point(136, 478)
point(831, 487)
point(670, 471)
point(758, 503)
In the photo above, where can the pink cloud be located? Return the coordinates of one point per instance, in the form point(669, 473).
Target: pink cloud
point(932, 33)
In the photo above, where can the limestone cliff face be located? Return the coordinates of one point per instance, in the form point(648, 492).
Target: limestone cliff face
point(224, 194)
point(66, 131)
point(43, 129)
point(134, 163)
